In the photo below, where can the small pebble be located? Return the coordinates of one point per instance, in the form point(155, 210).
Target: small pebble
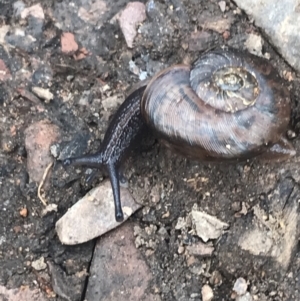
point(134, 68)
point(216, 278)
point(207, 293)
point(166, 215)
point(254, 44)
point(291, 134)
point(237, 11)
point(68, 43)
point(70, 78)
point(24, 212)
point(143, 75)
point(49, 208)
point(185, 46)
point(43, 93)
point(236, 206)
point(246, 297)
point(240, 286)
point(288, 75)
point(222, 5)
point(39, 264)
point(181, 249)
point(226, 34)
point(54, 150)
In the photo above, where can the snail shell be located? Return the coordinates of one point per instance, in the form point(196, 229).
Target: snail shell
point(229, 105)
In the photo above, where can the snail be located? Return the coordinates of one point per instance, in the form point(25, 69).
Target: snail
point(229, 105)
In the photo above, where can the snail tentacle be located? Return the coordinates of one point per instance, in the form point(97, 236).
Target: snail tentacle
point(115, 184)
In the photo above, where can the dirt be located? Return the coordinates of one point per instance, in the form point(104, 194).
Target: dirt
point(173, 183)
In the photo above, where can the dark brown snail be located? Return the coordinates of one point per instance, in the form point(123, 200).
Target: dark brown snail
point(229, 106)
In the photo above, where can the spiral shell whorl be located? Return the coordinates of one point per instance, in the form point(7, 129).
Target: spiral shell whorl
point(238, 116)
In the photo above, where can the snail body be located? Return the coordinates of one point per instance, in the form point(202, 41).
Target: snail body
point(228, 106)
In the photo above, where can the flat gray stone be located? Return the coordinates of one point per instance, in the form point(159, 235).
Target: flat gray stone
point(281, 22)
point(93, 215)
point(118, 270)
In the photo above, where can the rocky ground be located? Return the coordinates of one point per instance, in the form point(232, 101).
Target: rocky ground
point(64, 69)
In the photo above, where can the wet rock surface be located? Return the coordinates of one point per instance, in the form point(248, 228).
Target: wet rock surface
point(281, 22)
point(79, 54)
point(118, 270)
point(24, 293)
